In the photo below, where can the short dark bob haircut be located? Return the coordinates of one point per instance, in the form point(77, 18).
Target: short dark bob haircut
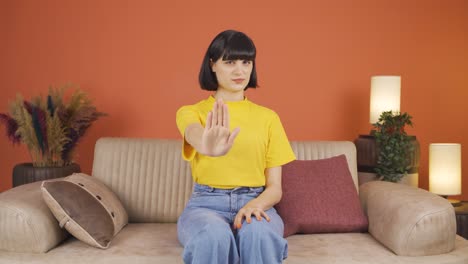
point(231, 45)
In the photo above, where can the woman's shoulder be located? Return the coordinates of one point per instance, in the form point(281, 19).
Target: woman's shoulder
point(198, 105)
point(263, 110)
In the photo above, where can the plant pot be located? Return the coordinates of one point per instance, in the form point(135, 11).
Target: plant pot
point(367, 154)
point(26, 173)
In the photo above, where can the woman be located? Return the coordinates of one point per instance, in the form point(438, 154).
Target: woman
point(237, 172)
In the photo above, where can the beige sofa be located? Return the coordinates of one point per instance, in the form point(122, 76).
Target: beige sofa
point(154, 183)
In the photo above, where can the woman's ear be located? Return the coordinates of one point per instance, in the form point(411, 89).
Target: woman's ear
point(212, 65)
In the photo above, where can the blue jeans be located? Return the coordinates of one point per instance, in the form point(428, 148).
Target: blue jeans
point(205, 229)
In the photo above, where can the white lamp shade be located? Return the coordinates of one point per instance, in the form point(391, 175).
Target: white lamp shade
point(445, 168)
point(385, 96)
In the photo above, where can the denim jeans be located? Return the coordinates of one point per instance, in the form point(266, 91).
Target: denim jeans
point(205, 229)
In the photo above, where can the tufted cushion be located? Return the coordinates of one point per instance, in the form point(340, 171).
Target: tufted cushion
point(319, 196)
point(86, 208)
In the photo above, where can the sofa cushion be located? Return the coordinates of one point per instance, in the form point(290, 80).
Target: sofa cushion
point(26, 223)
point(319, 196)
point(408, 220)
point(86, 208)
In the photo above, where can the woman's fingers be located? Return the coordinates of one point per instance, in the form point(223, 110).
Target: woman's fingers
point(238, 220)
point(247, 213)
point(208, 120)
point(258, 215)
point(248, 216)
point(220, 112)
point(220, 115)
point(265, 215)
point(226, 118)
point(214, 119)
point(233, 135)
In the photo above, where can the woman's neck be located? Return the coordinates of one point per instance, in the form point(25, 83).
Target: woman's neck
point(229, 96)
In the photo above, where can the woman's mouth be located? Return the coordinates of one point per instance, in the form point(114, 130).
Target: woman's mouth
point(238, 80)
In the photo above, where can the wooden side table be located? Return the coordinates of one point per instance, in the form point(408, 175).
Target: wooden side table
point(461, 213)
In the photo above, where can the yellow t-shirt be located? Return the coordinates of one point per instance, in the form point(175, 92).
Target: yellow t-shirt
point(260, 144)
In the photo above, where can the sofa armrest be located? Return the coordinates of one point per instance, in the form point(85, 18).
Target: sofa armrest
point(408, 220)
point(26, 223)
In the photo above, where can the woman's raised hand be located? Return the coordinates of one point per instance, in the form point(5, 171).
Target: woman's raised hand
point(217, 139)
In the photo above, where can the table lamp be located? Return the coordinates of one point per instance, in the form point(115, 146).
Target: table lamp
point(384, 96)
point(445, 170)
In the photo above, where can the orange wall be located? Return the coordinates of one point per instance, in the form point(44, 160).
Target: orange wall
point(139, 61)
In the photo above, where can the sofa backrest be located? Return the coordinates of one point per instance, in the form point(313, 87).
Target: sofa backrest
point(154, 182)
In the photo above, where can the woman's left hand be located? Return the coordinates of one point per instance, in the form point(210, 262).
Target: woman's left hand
point(248, 212)
point(266, 200)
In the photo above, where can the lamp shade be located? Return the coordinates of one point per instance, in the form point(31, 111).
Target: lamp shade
point(385, 96)
point(445, 168)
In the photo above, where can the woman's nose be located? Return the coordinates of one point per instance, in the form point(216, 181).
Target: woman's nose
point(239, 67)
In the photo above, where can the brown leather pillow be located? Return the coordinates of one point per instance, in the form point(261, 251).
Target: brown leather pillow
point(319, 196)
point(87, 208)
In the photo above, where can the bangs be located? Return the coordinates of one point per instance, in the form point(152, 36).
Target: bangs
point(239, 47)
point(236, 47)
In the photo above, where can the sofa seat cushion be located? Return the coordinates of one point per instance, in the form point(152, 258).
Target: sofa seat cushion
point(355, 248)
point(158, 244)
point(135, 243)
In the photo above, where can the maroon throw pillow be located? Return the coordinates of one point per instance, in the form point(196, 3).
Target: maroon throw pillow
point(319, 196)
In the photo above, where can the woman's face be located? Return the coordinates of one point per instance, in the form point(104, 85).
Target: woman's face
point(232, 75)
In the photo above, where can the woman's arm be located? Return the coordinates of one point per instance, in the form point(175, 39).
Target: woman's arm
point(267, 199)
point(215, 139)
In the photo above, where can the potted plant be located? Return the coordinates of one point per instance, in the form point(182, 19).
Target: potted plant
point(397, 152)
point(51, 128)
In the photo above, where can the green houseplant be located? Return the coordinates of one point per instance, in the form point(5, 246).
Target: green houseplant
point(51, 128)
point(395, 148)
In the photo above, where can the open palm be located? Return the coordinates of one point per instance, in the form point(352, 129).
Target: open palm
point(217, 139)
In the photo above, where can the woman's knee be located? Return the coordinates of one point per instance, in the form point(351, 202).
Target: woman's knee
point(212, 244)
point(260, 229)
point(213, 235)
point(199, 222)
point(259, 243)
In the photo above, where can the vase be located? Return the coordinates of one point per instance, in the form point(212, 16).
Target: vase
point(26, 173)
point(367, 154)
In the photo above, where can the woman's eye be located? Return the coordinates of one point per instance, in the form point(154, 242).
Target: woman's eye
point(229, 62)
point(248, 62)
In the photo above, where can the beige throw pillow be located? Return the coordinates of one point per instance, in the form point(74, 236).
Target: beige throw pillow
point(86, 208)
